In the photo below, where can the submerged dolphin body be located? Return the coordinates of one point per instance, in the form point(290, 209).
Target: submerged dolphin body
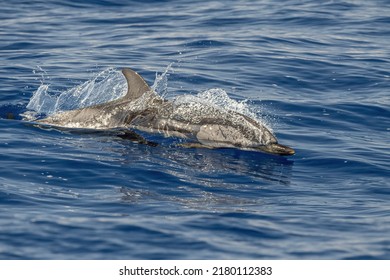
point(142, 109)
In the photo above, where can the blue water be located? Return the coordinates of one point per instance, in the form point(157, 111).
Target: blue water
point(318, 72)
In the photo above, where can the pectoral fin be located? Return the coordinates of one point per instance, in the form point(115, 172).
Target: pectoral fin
point(134, 137)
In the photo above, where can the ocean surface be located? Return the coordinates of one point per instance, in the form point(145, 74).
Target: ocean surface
point(316, 72)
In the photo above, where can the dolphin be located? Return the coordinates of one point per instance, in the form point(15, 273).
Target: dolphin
point(144, 110)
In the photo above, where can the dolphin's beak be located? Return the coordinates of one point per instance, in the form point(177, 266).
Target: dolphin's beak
point(278, 149)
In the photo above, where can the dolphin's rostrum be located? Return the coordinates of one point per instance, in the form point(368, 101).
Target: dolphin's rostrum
point(142, 109)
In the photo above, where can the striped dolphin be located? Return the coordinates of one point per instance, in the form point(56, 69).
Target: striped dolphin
point(142, 109)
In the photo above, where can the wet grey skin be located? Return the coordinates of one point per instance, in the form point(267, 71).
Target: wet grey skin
point(203, 124)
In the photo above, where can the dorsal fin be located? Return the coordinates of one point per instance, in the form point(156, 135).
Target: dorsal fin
point(136, 85)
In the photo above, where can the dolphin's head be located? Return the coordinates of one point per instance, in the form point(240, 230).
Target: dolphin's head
point(263, 139)
point(268, 143)
point(239, 131)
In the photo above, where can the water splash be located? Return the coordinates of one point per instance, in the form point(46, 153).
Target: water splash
point(219, 98)
point(106, 85)
point(42, 73)
point(160, 85)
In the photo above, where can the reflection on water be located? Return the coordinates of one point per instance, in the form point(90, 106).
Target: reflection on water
point(203, 179)
point(192, 178)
